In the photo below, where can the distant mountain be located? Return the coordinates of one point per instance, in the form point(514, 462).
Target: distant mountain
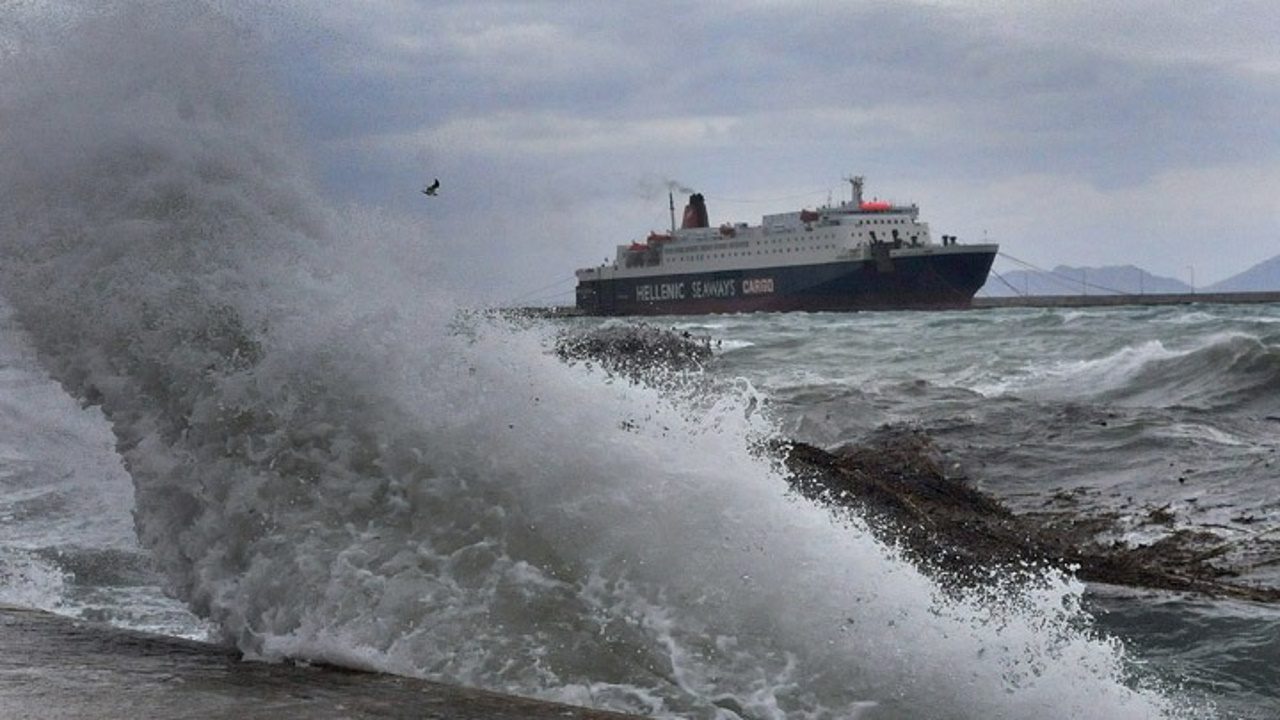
point(1263, 277)
point(1064, 280)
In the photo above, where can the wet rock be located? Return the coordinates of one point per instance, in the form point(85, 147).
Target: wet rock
point(634, 349)
point(896, 482)
point(1160, 516)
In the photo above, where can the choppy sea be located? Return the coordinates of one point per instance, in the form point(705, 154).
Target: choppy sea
point(580, 537)
point(231, 410)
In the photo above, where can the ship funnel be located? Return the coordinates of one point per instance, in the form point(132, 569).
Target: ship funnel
point(695, 213)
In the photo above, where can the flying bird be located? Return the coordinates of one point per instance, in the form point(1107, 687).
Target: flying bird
point(432, 188)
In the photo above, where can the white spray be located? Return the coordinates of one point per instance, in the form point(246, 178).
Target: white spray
point(329, 464)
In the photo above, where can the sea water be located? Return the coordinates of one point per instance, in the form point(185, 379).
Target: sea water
point(234, 410)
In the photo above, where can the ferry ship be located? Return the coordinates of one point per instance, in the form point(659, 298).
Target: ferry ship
point(858, 255)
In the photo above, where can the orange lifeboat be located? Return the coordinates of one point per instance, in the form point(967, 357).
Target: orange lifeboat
point(876, 205)
point(658, 238)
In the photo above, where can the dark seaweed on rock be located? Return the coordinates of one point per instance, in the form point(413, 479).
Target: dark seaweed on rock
point(897, 484)
point(896, 481)
point(634, 349)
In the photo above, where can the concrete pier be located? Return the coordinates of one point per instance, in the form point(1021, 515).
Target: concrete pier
point(57, 668)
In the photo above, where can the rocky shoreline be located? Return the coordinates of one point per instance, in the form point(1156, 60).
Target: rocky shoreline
point(960, 534)
point(896, 481)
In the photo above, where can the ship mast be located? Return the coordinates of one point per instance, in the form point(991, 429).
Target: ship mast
point(671, 200)
point(856, 182)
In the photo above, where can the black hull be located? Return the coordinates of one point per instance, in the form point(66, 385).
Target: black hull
point(921, 282)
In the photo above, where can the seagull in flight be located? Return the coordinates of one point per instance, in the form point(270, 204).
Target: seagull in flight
point(432, 188)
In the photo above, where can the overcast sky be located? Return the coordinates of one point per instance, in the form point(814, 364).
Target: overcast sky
point(1077, 133)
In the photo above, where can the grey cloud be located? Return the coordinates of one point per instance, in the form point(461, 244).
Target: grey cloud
point(765, 99)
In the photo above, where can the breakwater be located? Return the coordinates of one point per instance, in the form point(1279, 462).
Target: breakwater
point(1233, 298)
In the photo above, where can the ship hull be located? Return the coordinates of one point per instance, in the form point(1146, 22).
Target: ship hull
point(945, 280)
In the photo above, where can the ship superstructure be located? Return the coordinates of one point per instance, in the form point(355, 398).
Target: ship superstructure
point(858, 254)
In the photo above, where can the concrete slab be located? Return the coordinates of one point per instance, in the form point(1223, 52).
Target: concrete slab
point(53, 667)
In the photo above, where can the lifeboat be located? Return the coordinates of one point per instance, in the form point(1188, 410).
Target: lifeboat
point(727, 230)
point(876, 205)
point(658, 238)
point(638, 247)
point(808, 216)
